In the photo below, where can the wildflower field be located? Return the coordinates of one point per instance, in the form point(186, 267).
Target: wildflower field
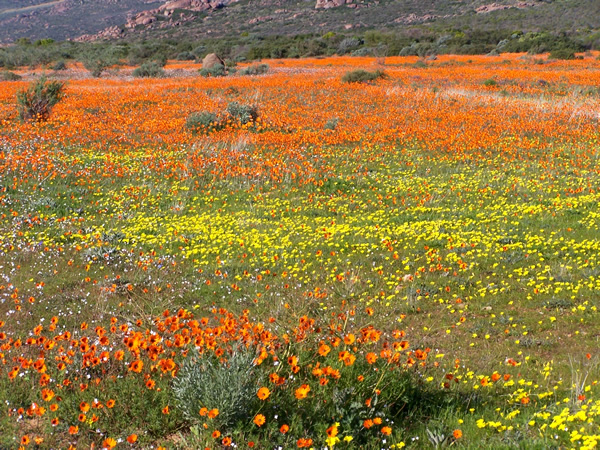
point(407, 262)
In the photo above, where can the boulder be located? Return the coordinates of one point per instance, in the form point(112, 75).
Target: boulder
point(211, 60)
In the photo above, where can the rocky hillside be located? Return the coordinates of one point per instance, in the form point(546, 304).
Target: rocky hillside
point(65, 19)
point(87, 20)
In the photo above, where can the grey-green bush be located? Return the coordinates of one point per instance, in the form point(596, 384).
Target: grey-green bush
point(218, 70)
point(255, 69)
point(207, 382)
point(149, 70)
point(203, 122)
point(347, 45)
point(244, 113)
point(362, 76)
point(7, 75)
point(332, 123)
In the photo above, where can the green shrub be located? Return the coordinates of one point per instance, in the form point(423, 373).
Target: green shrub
point(59, 65)
point(6, 75)
point(562, 53)
point(332, 123)
point(149, 70)
point(36, 102)
point(420, 64)
point(228, 386)
point(255, 69)
point(96, 58)
point(362, 76)
point(490, 83)
point(185, 56)
point(96, 66)
point(218, 70)
point(203, 122)
point(244, 113)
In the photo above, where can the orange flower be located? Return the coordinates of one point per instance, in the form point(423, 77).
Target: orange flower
point(263, 393)
point(109, 443)
point(349, 359)
point(349, 339)
point(284, 429)
point(324, 349)
point(386, 430)
point(136, 366)
point(216, 434)
point(226, 442)
point(302, 391)
point(132, 438)
point(84, 407)
point(371, 357)
point(304, 442)
point(165, 410)
point(13, 373)
point(25, 440)
point(457, 434)
point(332, 431)
point(73, 429)
point(110, 403)
point(368, 423)
point(213, 413)
point(47, 394)
point(274, 378)
point(259, 420)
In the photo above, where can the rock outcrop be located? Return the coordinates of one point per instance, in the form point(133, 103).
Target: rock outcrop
point(498, 7)
point(166, 11)
point(107, 33)
point(327, 4)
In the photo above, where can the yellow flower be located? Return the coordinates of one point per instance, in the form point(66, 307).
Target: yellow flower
point(332, 440)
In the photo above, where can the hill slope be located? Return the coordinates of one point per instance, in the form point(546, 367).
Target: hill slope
point(193, 19)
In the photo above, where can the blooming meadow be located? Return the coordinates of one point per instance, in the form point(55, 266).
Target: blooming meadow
point(407, 262)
